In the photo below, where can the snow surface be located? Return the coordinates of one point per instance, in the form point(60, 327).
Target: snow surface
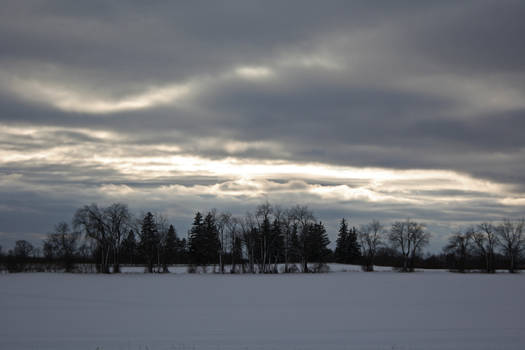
point(339, 310)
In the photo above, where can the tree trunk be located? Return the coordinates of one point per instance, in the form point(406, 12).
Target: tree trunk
point(492, 262)
point(511, 267)
point(305, 266)
point(405, 263)
point(251, 262)
point(116, 264)
point(232, 270)
point(370, 262)
point(105, 262)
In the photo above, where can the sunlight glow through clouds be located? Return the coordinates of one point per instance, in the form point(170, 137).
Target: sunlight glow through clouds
point(242, 176)
point(312, 61)
point(344, 192)
point(45, 131)
point(381, 184)
point(252, 178)
point(83, 100)
point(254, 73)
point(473, 96)
point(72, 100)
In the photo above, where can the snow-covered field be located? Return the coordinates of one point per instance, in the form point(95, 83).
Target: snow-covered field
point(339, 310)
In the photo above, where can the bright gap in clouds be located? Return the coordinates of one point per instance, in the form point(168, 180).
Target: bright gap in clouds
point(251, 178)
point(244, 176)
point(75, 100)
point(254, 72)
point(230, 177)
point(88, 99)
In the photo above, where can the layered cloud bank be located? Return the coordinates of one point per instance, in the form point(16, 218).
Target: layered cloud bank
point(361, 110)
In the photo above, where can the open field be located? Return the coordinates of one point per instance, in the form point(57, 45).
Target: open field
point(352, 310)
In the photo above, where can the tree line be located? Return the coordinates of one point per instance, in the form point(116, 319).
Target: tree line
point(270, 239)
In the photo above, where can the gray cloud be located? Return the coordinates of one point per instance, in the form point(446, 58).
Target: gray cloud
point(144, 103)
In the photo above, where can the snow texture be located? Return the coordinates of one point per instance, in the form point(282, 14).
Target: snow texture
point(338, 310)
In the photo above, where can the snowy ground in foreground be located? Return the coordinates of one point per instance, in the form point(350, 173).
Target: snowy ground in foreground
point(353, 310)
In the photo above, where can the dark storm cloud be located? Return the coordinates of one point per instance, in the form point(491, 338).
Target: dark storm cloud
point(396, 85)
point(485, 35)
point(167, 40)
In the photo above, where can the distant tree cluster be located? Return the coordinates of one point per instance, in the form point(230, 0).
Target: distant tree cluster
point(259, 241)
point(270, 239)
point(483, 244)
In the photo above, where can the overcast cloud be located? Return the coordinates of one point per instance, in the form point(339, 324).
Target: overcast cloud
point(361, 109)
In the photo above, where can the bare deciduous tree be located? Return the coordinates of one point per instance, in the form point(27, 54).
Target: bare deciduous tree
point(303, 218)
point(23, 249)
point(409, 237)
point(262, 216)
point(90, 220)
point(223, 224)
point(106, 226)
point(459, 245)
point(233, 233)
point(62, 245)
point(249, 236)
point(370, 238)
point(485, 241)
point(19, 257)
point(117, 219)
point(511, 240)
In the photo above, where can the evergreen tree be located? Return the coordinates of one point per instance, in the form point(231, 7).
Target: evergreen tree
point(236, 253)
point(182, 252)
point(204, 243)
point(211, 242)
point(169, 248)
point(294, 255)
point(277, 243)
point(353, 248)
point(130, 248)
point(317, 244)
point(149, 238)
point(347, 249)
point(197, 254)
point(342, 238)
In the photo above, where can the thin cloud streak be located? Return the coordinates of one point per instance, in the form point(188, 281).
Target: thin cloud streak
point(82, 100)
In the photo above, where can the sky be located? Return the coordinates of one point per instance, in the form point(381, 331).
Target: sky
point(365, 110)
